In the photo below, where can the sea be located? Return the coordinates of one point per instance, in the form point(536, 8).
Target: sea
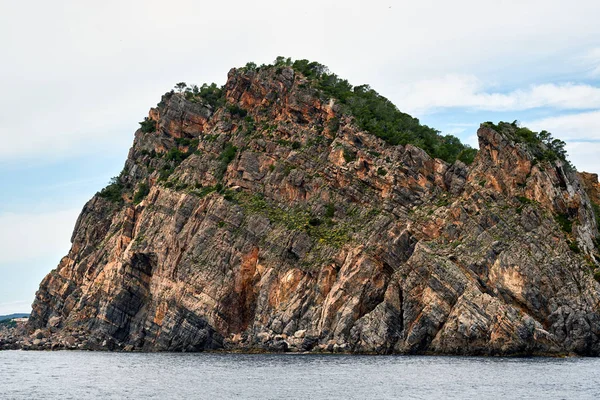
point(103, 375)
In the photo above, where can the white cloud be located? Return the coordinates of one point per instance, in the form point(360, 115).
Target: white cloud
point(591, 61)
point(67, 125)
point(466, 91)
point(26, 236)
point(580, 126)
point(72, 85)
point(584, 155)
point(581, 131)
point(31, 244)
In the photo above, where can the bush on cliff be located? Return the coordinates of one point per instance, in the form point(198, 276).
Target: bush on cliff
point(542, 145)
point(379, 116)
point(113, 192)
point(142, 192)
point(148, 125)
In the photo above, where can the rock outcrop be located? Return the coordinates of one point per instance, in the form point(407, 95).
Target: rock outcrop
point(271, 222)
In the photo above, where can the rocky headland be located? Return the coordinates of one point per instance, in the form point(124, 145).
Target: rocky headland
point(272, 215)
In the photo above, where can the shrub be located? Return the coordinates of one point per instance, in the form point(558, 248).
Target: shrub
point(142, 192)
point(148, 125)
point(565, 222)
point(114, 191)
point(236, 110)
point(314, 221)
point(574, 247)
point(381, 171)
point(174, 154)
point(183, 141)
point(226, 156)
point(349, 155)
point(524, 200)
point(228, 153)
point(250, 125)
point(329, 210)
point(379, 116)
point(467, 155)
point(180, 87)
point(250, 66)
point(333, 125)
point(542, 145)
point(165, 172)
point(596, 209)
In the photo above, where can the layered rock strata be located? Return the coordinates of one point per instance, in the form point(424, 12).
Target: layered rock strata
point(273, 223)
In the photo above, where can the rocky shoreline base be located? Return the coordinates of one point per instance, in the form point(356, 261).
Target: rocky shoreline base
point(18, 338)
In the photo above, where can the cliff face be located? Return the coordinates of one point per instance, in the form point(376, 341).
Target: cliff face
point(271, 222)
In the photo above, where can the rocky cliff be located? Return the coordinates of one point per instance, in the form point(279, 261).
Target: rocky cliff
point(261, 217)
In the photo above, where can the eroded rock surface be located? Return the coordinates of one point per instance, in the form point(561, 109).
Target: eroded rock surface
point(273, 223)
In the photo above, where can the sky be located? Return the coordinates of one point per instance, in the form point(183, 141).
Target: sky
point(77, 76)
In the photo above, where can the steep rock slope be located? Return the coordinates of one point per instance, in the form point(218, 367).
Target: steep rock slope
point(263, 218)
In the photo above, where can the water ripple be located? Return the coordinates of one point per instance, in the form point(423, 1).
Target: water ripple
point(77, 375)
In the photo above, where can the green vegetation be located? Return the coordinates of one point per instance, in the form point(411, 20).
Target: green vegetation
point(467, 155)
point(114, 191)
point(565, 222)
point(187, 142)
point(287, 169)
point(8, 323)
point(329, 210)
point(211, 138)
point(165, 172)
point(541, 144)
point(205, 191)
point(181, 86)
point(250, 125)
point(379, 116)
point(151, 154)
point(228, 153)
point(323, 232)
point(381, 171)
point(349, 155)
point(226, 156)
point(142, 192)
point(148, 125)
point(211, 95)
point(333, 125)
point(525, 200)
point(250, 66)
point(596, 209)
point(236, 111)
point(174, 154)
point(574, 247)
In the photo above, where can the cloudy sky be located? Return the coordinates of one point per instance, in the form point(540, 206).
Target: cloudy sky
point(77, 76)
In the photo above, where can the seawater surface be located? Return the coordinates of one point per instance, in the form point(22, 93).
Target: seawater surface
point(98, 375)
